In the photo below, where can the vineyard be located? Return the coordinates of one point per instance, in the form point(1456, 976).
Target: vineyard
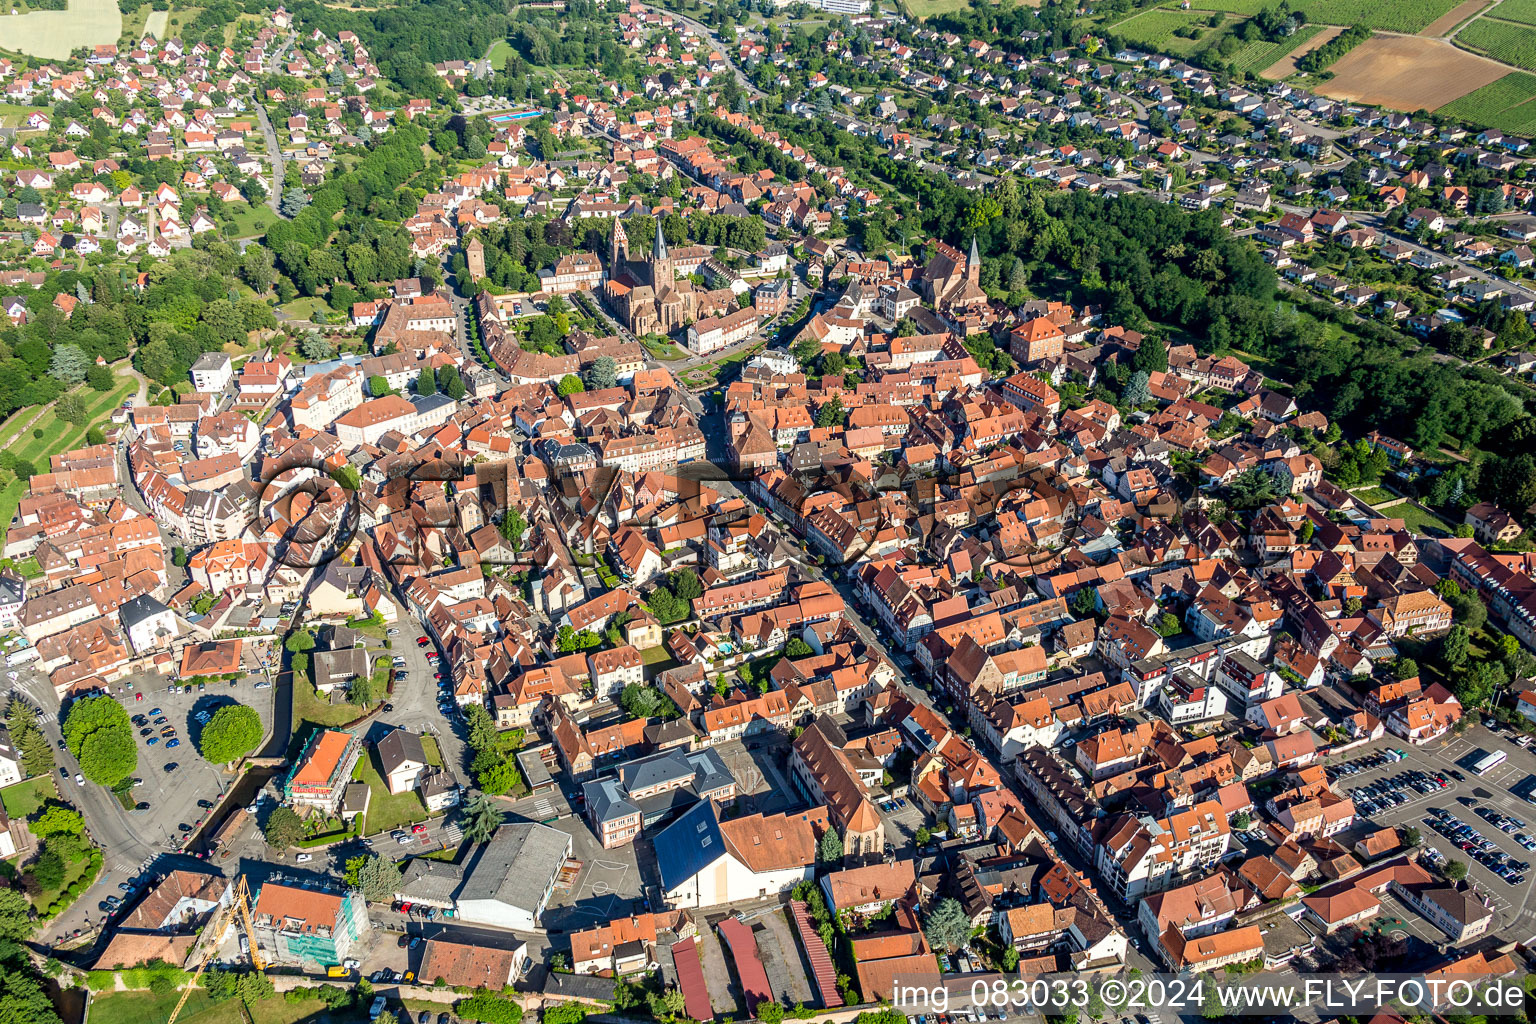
point(1155, 30)
point(1503, 41)
point(1523, 11)
point(1260, 54)
point(1508, 105)
point(1391, 15)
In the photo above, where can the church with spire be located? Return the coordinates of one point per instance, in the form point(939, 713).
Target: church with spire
point(952, 282)
point(647, 294)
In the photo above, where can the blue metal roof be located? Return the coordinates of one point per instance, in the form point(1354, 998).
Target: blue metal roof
point(688, 845)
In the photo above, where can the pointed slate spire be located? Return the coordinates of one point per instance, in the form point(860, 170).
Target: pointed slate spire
point(975, 257)
point(659, 247)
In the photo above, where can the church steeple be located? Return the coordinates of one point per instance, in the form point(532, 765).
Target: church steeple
point(973, 263)
point(618, 254)
point(662, 274)
point(659, 247)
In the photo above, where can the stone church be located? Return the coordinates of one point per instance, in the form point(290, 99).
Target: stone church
point(647, 294)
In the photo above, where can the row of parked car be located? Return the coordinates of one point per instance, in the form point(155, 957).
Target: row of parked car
point(1363, 763)
point(1396, 790)
point(1476, 845)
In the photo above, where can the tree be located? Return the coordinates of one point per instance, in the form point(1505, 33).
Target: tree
point(377, 878)
point(1454, 647)
point(1151, 356)
point(1251, 489)
point(99, 378)
point(300, 640)
point(481, 728)
point(948, 926)
point(603, 373)
point(1412, 837)
point(293, 203)
point(1243, 822)
point(498, 777)
point(426, 381)
point(56, 819)
point(1455, 870)
point(48, 871)
point(830, 849)
point(234, 731)
point(686, 584)
point(1084, 602)
point(797, 648)
point(1168, 624)
point(513, 526)
point(98, 733)
point(1138, 392)
point(666, 607)
point(831, 414)
point(15, 915)
point(570, 384)
point(378, 387)
point(640, 701)
point(667, 1005)
point(481, 819)
point(283, 828)
point(69, 364)
point(1404, 668)
point(71, 409)
point(451, 383)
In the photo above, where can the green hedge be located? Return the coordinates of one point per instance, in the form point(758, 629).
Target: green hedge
point(136, 977)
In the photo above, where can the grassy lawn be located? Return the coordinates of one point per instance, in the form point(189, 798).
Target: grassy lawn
point(22, 799)
point(1373, 495)
point(657, 350)
point(10, 501)
point(310, 706)
point(499, 53)
point(248, 220)
point(929, 8)
point(1419, 521)
point(385, 810)
point(59, 436)
point(303, 309)
point(147, 1008)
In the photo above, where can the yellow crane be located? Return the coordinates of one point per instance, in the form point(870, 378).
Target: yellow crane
point(239, 905)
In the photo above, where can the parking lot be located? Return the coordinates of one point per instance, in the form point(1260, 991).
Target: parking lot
point(1501, 793)
point(902, 820)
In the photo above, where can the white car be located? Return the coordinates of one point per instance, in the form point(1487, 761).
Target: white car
point(79, 779)
point(304, 858)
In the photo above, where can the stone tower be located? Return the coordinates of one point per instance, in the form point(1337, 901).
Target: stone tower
point(618, 253)
point(661, 262)
point(474, 256)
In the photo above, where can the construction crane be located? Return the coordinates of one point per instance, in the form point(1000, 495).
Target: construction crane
point(239, 905)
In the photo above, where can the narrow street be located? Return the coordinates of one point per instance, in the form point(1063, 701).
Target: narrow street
point(275, 156)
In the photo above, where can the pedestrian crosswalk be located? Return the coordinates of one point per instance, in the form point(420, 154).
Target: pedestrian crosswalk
point(452, 835)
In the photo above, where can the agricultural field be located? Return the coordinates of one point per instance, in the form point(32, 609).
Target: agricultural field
point(1508, 105)
point(1286, 65)
point(1155, 29)
point(1502, 40)
point(932, 8)
point(1523, 11)
point(1391, 15)
point(53, 35)
point(1408, 73)
point(1261, 54)
point(1453, 17)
